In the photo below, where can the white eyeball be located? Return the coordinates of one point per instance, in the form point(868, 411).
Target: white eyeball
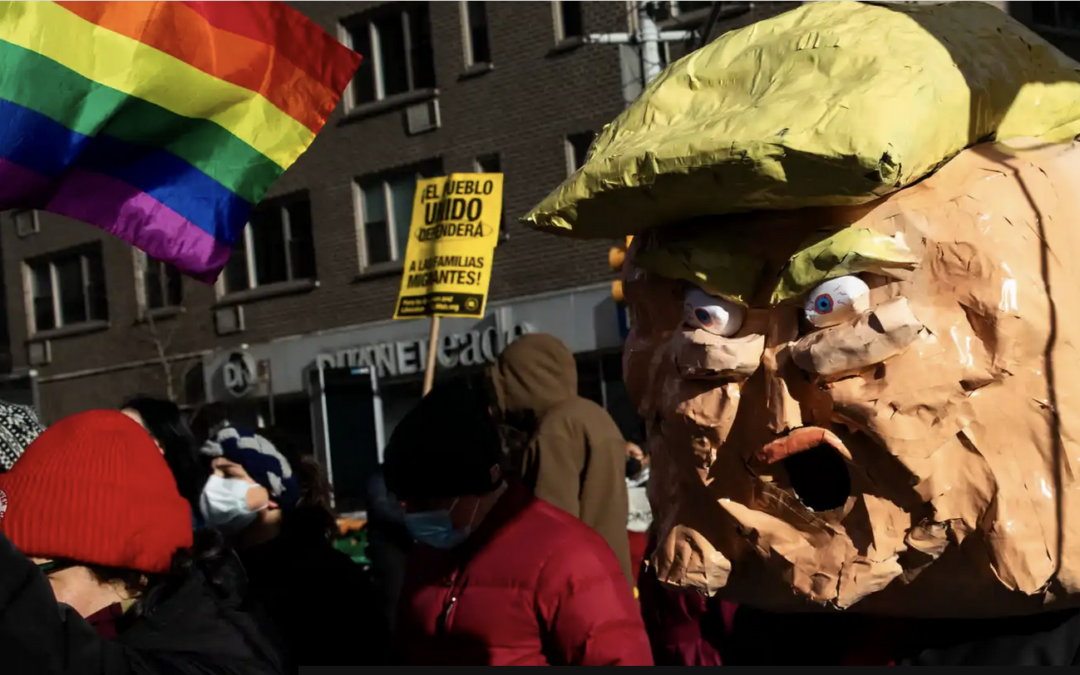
point(836, 301)
point(712, 314)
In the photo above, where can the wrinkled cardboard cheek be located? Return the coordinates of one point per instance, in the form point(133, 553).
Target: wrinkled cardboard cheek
point(655, 307)
point(700, 419)
point(686, 559)
point(835, 558)
point(810, 557)
point(956, 481)
point(690, 530)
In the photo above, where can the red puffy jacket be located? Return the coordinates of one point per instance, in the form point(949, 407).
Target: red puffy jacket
point(532, 586)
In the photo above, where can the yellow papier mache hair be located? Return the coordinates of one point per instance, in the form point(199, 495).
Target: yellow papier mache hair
point(834, 103)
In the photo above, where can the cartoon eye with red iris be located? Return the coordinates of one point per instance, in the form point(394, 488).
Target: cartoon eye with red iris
point(712, 314)
point(823, 304)
point(836, 300)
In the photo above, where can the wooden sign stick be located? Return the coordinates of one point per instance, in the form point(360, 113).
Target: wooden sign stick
point(432, 355)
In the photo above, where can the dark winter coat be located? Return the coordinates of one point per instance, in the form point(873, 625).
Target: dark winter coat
point(192, 632)
point(532, 586)
point(685, 628)
point(318, 599)
point(573, 454)
point(388, 545)
point(688, 630)
point(1050, 639)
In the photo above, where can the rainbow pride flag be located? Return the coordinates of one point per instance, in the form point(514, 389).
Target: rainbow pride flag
point(162, 123)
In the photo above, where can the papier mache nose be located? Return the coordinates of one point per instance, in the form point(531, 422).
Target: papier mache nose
point(784, 410)
point(870, 339)
point(700, 355)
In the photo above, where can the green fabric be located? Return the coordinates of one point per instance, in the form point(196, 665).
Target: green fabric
point(354, 545)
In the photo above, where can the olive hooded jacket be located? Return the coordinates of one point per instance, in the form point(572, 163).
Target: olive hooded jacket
point(568, 450)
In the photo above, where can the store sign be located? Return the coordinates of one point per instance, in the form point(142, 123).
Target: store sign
point(239, 373)
point(408, 357)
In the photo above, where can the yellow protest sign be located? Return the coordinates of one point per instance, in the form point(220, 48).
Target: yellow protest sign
point(452, 237)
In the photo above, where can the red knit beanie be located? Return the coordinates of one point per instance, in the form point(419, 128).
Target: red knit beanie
point(94, 488)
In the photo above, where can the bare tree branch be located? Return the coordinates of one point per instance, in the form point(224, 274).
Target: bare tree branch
point(161, 336)
point(161, 344)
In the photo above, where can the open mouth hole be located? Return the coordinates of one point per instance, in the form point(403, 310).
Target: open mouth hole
point(819, 477)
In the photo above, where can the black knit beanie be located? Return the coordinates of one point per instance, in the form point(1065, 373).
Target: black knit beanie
point(446, 446)
point(19, 426)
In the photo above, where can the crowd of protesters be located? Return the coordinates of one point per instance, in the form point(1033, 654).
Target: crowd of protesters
point(497, 530)
point(509, 525)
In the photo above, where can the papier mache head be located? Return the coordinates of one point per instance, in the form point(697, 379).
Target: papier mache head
point(876, 407)
point(850, 294)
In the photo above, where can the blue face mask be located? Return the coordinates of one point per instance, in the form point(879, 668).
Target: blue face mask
point(436, 529)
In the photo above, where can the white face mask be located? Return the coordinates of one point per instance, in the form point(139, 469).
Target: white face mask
point(224, 504)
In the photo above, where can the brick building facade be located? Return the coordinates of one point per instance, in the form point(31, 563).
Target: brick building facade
point(445, 87)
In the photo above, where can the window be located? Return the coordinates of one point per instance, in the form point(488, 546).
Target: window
point(67, 289)
point(681, 7)
point(1063, 16)
point(396, 43)
point(385, 207)
point(687, 14)
point(162, 283)
point(568, 21)
point(493, 164)
point(577, 149)
point(488, 164)
point(26, 222)
point(664, 49)
point(670, 10)
point(474, 27)
point(276, 246)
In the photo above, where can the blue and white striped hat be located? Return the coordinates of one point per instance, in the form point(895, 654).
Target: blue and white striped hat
point(19, 426)
point(260, 459)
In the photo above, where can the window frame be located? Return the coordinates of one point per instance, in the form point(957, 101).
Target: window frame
point(679, 19)
point(571, 150)
point(34, 220)
point(396, 257)
point(560, 23)
point(1056, 27)
point(32, 265)
point(676, 11)
point(478, 166)
point(282, 204)
point(423, 170)
point(143, 261)
point(366, 20)
point(467, 37)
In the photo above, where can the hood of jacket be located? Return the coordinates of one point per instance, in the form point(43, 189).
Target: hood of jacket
point(533, 374)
